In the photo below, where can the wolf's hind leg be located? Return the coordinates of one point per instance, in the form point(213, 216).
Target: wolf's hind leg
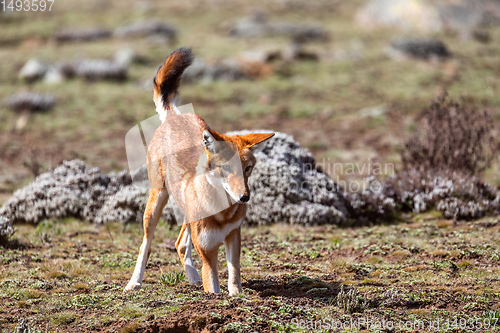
point(184, 246)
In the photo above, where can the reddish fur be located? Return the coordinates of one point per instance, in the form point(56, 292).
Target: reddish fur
point(167, 141)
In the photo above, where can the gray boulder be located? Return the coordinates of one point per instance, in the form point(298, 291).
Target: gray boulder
point(30, 101)
point(287, 186)
point(33, 70)
point(429, 16)
point(225, 69)
point(95, 69)
point(257, 25)
point(70, 190)
point(424, 49)
point(147, 29)
point(81, 35)
point(6, 229)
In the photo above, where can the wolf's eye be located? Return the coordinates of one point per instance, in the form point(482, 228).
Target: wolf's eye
point(226, 167)
point(248, 169)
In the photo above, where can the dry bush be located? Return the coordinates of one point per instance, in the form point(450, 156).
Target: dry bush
point(443, 162)
point(441, 169)
point(452, 136)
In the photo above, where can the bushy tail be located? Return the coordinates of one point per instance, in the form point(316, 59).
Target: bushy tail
point(167, 81)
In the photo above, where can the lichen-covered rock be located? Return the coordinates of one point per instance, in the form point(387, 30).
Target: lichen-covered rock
point(372, 203)
point(71, 189)
point(85, 35)
point(90, 69)
point(6, 229)
point(226, 69)
point(257, 25)
point(147, 29)
point(30, 101)
point(429, 16)
point(128, 205)
point(96, 69)
point(33, 70)
point(401, 14)
point(418, 48)
point(286, 186)
point(457, 195)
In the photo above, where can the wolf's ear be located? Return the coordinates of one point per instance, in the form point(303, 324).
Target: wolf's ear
point(256, 138)
point(210, 140)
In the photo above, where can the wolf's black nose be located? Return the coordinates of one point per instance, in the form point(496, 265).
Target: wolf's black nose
point(244, 198)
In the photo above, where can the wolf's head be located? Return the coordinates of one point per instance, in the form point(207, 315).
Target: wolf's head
point(230, 161)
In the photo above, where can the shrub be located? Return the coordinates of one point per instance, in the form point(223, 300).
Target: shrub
point(442, 162)
point(451, 136)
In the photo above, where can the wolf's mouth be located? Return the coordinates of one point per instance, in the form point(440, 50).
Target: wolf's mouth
point(228, 190)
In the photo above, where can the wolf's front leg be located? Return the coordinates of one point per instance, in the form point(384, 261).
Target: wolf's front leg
point(157, 200)
point(209, 270)
point(232, 244)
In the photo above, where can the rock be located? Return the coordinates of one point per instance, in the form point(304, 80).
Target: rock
point(54, 75)
point(76, 190)
point(257, 25)
point(287, 187)
point(260, 56)
point(401, 14)
point(89, 69)
point(128, 205)
point(225, 69)
point(466, 15)
point(300, 33)
point(482, 36)
point(6, 229)
point(124, 57)
point(424, 49)
point(429, 16)
point(292, 52)
point(22, 121)
point(252, 26)
point(296, 51)
point(33, 70)
point(75, 35)
point(147, 29)
point(29, 101)
point(457, 196)
point(96, 69)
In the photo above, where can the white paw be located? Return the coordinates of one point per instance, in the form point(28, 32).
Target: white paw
point(196, 283)
point(234, 290)
point(132, 286)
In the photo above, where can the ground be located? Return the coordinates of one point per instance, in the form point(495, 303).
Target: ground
point(414, 274)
